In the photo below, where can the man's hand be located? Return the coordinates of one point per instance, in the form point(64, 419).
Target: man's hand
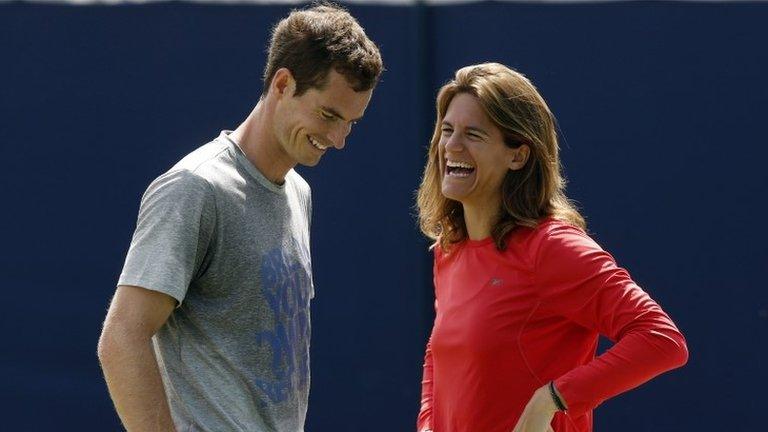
point(538, 413)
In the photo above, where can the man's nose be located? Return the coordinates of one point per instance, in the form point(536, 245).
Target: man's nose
point(339, 135)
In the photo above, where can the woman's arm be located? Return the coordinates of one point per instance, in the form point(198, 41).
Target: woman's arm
point(583, 283)
point(424, 422)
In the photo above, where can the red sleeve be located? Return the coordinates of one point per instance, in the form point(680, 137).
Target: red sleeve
point(582, 283)
point(424, 422)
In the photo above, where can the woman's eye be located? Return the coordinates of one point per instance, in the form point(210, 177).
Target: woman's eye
point(326, 115)
point(446, 130)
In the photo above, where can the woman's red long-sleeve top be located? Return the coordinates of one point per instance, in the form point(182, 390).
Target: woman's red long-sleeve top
point(509, 322)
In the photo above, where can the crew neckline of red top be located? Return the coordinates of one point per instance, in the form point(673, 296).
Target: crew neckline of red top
point(468, 242)
point(478, 243)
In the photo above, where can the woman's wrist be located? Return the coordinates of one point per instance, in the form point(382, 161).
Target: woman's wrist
point(557, 398)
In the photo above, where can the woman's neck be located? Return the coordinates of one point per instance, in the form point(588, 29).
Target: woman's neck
point(480, 220)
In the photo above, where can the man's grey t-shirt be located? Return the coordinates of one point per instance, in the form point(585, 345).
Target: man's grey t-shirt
point(233, 249)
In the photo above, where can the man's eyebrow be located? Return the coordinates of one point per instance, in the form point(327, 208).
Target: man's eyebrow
point(339, 116)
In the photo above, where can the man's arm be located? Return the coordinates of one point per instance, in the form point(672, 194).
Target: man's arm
point(128, 359)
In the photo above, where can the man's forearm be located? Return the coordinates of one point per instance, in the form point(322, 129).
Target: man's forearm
point(133, 378)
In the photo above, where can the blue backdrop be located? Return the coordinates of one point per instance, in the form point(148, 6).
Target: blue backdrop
point(661, 107)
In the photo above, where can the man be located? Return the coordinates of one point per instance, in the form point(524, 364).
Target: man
point(209, 327)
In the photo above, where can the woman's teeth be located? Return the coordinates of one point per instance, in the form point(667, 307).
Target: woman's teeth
point(458, 169)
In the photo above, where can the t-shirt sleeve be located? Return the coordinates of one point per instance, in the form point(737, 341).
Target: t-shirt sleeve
point(305, 192)
point(173, 231)
point(581, 282)
point(424, 420)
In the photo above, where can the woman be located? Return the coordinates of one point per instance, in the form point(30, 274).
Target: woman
point(522, 293)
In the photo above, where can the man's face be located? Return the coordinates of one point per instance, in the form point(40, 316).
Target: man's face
point(307, 125)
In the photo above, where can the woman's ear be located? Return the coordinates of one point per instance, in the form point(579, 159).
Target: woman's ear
point(518, 157)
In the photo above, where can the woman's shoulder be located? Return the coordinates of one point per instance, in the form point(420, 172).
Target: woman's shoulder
point(549, 234)
point(547, 229)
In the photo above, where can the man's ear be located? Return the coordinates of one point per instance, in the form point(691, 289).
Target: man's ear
point(518, 157)
point(283, 83)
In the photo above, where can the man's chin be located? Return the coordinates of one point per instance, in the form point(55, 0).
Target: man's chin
point(309, 163)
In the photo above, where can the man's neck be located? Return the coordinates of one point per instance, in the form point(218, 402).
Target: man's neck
point(256, 139)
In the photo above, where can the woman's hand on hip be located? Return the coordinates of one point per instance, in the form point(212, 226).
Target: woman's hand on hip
point(538, 413)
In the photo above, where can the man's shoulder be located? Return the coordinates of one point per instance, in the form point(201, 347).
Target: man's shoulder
point(211, 164)
point(194, 174)
point(295, 179)
point(203, 157)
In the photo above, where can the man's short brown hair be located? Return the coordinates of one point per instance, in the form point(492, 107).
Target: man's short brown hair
point(309, 42)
